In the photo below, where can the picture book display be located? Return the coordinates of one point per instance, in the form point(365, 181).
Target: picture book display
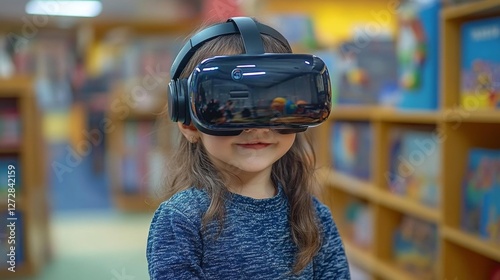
point(366, 72)
point(351, 146)
point(481, 194)
point(358, 224)
point(480, 64)
point(418, 54)
point(414, 166)
point(415, 247)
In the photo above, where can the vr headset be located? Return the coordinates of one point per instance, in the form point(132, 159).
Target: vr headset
point(225, 95)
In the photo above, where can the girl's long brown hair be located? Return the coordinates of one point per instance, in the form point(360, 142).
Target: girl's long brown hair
point(189, 166)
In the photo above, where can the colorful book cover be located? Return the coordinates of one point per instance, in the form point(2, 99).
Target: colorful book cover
point(359, 223)
point(351, 148)
point(480, 64)
point(415, 247)
point(366, 72)
point(418, 54)
point(481, 194)
point(414, 166)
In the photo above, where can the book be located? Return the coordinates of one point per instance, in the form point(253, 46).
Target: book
point(366, 72)
point(418, 54)
point(10, 123)
point(415, 247)
point(481, 194)
point(414, 165)
point(351, 148)
point(358, 218)
point(480, 64)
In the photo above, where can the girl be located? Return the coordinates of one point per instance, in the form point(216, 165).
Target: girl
point(241, 206)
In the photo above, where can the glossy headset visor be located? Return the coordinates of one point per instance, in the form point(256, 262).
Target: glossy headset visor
point(285, 92)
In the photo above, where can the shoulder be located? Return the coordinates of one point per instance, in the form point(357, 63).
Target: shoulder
point(323, 212)
point(190, 204)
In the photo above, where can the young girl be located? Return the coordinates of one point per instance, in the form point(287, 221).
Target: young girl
point(241, 206)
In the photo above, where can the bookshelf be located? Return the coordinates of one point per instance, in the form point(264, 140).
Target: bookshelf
point(460, 255)
point(139, 138)
point(20, 142)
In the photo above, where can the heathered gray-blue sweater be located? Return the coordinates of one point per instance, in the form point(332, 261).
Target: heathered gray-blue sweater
point(255, 243)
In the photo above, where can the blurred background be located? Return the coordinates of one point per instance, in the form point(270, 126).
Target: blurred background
point(409, 158)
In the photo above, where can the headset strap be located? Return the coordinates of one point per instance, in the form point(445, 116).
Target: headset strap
point(232, 26)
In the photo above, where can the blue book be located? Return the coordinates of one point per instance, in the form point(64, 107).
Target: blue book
point(418, 54)
point(480, 64)
point(351, 148)
point(414, 166)
point(481, 194)
point(366, 72)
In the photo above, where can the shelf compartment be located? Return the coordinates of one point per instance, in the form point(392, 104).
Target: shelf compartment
point(450, 61)
point(472, 242)
point(460, 262)
point(407, 171)
point(458, 140)
point(387, 222)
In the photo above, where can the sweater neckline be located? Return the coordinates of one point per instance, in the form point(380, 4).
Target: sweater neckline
point(250, 204)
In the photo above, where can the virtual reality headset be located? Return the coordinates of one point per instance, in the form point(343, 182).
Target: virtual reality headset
point(225, 95)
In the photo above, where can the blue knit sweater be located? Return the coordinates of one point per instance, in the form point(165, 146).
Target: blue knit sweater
point(255, 243)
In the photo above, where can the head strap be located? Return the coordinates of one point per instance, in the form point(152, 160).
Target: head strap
point(250, 33)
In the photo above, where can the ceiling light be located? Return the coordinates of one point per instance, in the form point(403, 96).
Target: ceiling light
point(89, 8)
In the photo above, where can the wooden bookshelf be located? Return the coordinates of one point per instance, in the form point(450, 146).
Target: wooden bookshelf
point(461, 255)
point(32, 229)
point(152, 131)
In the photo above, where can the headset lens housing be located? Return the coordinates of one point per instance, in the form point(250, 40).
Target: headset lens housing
point(286, 92)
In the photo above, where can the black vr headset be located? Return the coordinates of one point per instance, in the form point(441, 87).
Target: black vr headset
point(225, 95)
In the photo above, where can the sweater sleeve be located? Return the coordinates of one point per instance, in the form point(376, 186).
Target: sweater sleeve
point(174, 249)
point(331, 261)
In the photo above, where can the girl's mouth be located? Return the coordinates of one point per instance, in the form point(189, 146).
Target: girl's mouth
point(255, 146)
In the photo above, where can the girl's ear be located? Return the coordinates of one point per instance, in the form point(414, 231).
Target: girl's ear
point(190, 132)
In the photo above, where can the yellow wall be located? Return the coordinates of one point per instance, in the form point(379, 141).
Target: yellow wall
point(334, 20)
